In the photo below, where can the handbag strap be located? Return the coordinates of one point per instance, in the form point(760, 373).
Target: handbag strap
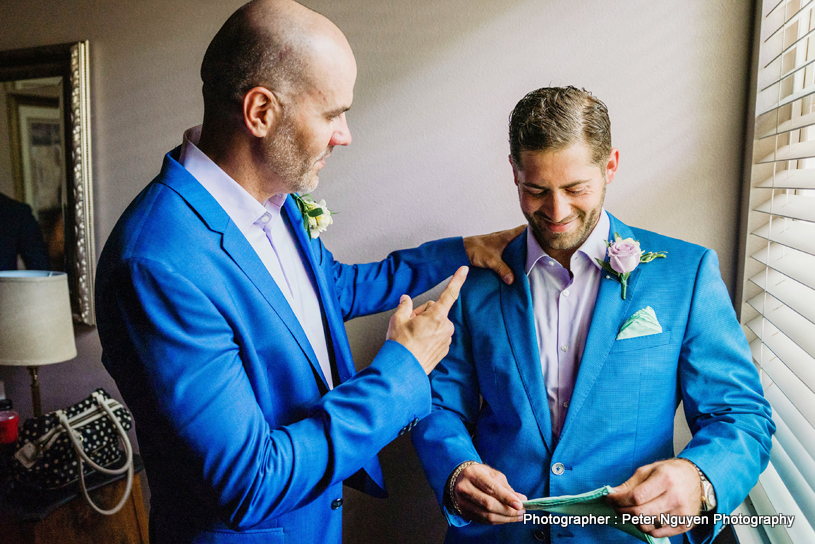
point(82, 456)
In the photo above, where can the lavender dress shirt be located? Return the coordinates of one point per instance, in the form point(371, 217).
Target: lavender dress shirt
point(269, 236)
point(563, 304)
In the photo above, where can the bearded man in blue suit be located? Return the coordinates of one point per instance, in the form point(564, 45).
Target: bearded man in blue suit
point(568, 380)
point(221, 312)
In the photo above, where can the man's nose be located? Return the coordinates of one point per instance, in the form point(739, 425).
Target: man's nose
point(342, 134)
point(557, 208)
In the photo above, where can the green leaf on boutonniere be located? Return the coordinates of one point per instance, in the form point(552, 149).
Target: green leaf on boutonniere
point(607, 267)
point(651, 255)
point(316, 215)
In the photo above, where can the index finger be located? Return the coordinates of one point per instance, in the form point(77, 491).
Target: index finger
point(450, 293)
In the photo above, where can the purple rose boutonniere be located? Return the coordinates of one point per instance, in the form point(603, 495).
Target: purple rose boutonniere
point(624, 255)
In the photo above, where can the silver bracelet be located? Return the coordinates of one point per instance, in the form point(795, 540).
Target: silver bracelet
point(451, 487)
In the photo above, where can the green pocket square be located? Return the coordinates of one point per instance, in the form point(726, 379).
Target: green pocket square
point(642, 323)
point(591, 502)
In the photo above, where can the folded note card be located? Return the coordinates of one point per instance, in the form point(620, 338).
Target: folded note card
point(591, 503)
point(642, 323)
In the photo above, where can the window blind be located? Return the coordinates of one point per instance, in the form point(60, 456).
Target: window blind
point(778, 303)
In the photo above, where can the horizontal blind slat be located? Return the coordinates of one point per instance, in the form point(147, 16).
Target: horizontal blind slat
point(771, 7)
point(793, 480)
point(764, 506)
point(784, 503)
point(784, 410)
point(797, 235)
point(791, 207)
point(745, 533)
point(790, 262)
point(804, 464)
point(775, 20)
point(795, 123)
point(792, 294)
point(792, 152)
point(785, 333)
point(784, 378)
point(770, 75)
point(789, 99)
point(790, 179)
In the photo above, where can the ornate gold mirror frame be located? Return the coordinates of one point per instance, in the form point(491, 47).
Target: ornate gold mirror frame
point(70, 63)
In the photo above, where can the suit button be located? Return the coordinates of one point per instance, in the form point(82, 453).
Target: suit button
point(336, 503)
point(540, 536)
point(557, 469)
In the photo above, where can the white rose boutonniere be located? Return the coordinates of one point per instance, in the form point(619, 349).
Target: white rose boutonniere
point(624, 255)
point(316, 216)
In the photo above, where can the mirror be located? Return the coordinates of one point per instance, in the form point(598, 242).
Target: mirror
point(45, 160)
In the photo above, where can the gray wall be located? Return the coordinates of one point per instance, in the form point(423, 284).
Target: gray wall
point(436, 83)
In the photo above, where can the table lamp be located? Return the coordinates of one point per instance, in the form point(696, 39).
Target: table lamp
point(36, 326)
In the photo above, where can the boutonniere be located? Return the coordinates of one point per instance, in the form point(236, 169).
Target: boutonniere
point(624, 256)
point(316, 216)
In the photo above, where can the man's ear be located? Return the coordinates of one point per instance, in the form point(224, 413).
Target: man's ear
point(261, 111)
point(612, 164)
point(514, 169)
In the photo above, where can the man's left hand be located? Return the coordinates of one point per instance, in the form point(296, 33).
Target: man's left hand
point(485, 251)
point(670, 487)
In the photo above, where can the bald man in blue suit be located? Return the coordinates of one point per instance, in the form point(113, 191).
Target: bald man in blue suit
point(221, 312)
point(568, 380)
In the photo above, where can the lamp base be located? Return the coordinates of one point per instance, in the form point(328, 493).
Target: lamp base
point(35, 391)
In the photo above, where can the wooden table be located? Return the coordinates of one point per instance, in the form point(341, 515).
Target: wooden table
point(64, 517)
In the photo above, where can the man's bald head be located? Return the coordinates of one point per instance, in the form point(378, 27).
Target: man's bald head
point(269, 43)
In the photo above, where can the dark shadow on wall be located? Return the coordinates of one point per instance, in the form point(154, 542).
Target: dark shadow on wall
point(409, 514)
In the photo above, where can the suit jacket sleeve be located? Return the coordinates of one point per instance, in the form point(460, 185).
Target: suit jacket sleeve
point(189, 365)
point(364, 289)
point(723, 399)
point(442, 439)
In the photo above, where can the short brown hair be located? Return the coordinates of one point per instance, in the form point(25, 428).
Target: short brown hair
point(553, 118)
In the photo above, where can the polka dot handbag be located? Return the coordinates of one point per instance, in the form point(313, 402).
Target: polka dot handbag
point(59, 448)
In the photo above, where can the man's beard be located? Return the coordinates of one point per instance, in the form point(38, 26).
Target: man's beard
point(290, 163)
point(566, 240)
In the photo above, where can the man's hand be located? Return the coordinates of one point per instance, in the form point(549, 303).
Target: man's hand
point(483, 495)
point(426, 331)
point(667, 487)
point(485, 251)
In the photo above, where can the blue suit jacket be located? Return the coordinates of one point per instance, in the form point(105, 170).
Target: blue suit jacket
point(227, 394)
point(621, 414)
point(20, 234)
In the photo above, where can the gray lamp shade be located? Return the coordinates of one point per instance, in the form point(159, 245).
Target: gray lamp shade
point(36, 326)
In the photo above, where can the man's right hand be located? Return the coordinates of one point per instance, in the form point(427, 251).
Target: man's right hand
point(484, 495)
point(427, 332)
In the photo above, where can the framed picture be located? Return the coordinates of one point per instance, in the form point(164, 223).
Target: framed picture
point(39, 152)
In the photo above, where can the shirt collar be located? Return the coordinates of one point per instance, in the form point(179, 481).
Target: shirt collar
point(594, 247)
point(236, 201)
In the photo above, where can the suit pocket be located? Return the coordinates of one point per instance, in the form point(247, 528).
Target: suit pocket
point(641, 342)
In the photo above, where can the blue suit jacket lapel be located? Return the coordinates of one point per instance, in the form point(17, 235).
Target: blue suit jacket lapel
point(336, 328)
point(235, 245)
point(516, 307)
point(609, 313)
point(342, 350)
